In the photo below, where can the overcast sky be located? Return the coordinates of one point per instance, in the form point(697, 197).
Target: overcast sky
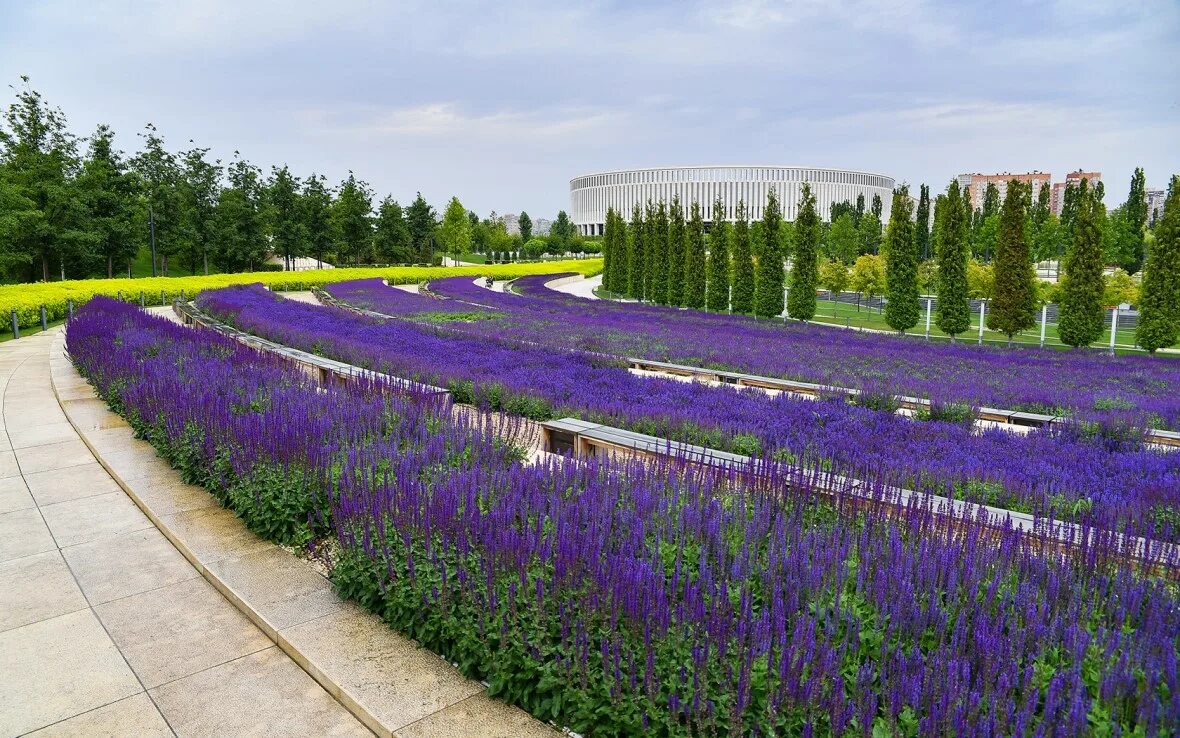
point(501, 103)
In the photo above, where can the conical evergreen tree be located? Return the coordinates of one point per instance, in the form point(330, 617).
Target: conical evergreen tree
point(1080, 321)
point(901, 264)
point(805, 266)
point(717, 295)
point(1014, 296)
point(619, 272)
point(922, 224)
point(768, 284)
point(1159, 301)
point(608, 243)
point(694, 261)
point(658, 255)
point(742, 294)
point(1135, 214)
point(677, 252)
point(954, 312)
point(636, 266)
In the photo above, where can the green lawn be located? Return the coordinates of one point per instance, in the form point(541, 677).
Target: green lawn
point(142, 266)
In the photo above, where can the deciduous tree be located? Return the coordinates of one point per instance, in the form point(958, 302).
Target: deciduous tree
point(110, 192)
point(392, 243)
point(352, 220)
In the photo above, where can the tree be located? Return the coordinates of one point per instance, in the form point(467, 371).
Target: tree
point(392, 243)
point(805, 268)
point(833, 276)
point(315, 212)
point(1081, 317)
point(352, 223)
point(110, 193)
point(420, 219)
point(901, 264)
point(454, 235)
point(199, 188)
point(1014, 301)
point(40, 156)
point(768, 286)
point(981, 280)
point(878, 207)
point(160, 176)
point(526, 226)
point(1159, 301)
point(717, 297)
point(18, 215)
point(657, 254)
point(237, 220)
point(695, 261)
point(677, 252)
point(868, 277)
point(869, 232)
point(743, 263)
point(984, 235)
point(991, 200)
point(954, 312)
point(843, 242)
point(1119, 289)
point(636, 249)
point(561, 234)
point(922, 224)
point(281, 215)
point(1135, 221)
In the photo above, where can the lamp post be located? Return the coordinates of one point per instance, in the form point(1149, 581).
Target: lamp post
point(152, 239)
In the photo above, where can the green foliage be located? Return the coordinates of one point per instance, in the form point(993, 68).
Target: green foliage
point(981, 280)
point(743, 263)
point(1134, 222)
point(869, 233)
point(636, 254)
point(562, 234)
point(768, 283)
point(953, 315)
point(237, 220)
point(1014, 301)
point(352, 222)
point(901, 265)
point(657, 251)
point(922, 224)
point(1159, 304)
point(676, 254)
point(422, 221)
point(454, 234)
point(200, 187)
point(1120, 288)
point(843, 241)
point(392, 243)
point(1081, 317)
point(159, 175)
point(110, 194)
point(315, 213)
point(833, 275)
point(526, 226)
point(280, 207)
point(695, 261)
point(805, 266)
point(868, 276)
point(717, 290)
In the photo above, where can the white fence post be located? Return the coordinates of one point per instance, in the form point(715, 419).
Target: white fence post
point(929, 301)
point(982, 313)
point(1114, 327)
point(1044, 320)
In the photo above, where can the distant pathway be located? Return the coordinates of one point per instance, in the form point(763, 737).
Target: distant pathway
point(581, 287)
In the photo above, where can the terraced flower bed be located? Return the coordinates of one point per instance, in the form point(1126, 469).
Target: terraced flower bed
point(1089, 384)
point(625, 600)
point(1113, 483)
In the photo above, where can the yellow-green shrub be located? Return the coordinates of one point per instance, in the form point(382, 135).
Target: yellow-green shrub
point(27, 299)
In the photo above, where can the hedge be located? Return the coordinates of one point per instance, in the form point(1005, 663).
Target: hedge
point(27, 299)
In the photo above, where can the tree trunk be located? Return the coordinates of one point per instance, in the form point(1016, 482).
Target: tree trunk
point(110, 266)
point(44, 268)
point(205, 258)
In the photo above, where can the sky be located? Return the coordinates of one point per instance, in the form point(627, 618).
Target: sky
point(501, 103)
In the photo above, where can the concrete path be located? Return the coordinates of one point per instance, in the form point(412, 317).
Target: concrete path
point(581, 287)
point(132, 604)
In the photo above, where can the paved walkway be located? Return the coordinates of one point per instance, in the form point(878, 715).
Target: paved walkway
point(581, 287)
point(108, 628)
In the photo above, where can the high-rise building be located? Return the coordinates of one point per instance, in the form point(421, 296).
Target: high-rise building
point(1155, 204)
point(1057, 199)
point(511, 223)
point(976, 184)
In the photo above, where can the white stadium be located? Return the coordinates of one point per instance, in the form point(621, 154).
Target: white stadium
point(592, 194)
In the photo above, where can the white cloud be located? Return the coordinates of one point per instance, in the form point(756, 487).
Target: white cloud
point(448, 119)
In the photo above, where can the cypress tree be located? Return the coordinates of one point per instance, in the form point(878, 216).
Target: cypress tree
point(742, 294)
point(922, 224)
point(657, 249)
point(1014, 296)
point(717, 290)
point(805, 268)
point(608, 243)
point(650, 249)
point(1080, 322)
point(768, 286)
point(954, 312)
point(619, 250)
point(1135, 214)
point(636, 268)
point(878, 207)
point(694, 261)
point(677, 249)
point(901, 264)
point(991, 200)
point(1159, 300)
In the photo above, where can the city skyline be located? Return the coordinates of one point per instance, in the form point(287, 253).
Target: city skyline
point(502, 109)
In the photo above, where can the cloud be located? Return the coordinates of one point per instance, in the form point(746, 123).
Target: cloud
point(449, 119)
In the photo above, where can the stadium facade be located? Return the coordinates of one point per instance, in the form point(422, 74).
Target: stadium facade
point(592, 194)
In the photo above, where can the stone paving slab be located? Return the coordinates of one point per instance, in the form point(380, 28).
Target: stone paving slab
point(388, 682)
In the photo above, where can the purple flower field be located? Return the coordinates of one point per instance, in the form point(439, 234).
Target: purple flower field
point(1089, 384)
point(623, 599)
point(1117, 485)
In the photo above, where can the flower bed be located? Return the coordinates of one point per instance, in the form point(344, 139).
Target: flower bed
point(620, 600)
point(1090, 384)
point(1053, 473)
point(27, 299)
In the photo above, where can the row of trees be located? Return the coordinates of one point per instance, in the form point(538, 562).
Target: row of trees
point(79, 207)
point(663, 257)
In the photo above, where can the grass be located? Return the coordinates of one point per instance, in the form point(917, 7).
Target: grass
point(26, 332)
